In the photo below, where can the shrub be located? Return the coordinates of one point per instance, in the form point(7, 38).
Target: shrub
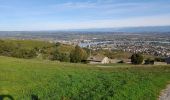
point(121, 61)
point(78, 55)
point(136, 59)
point(24, 53)
point(63, 57)
point(15, 50)
point(159, 59)
point(149, 61)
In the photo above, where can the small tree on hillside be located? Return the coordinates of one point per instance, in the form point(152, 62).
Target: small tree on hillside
point(63, 57)
point(77, 55)
point(136, 59)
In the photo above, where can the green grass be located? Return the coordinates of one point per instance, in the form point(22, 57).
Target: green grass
point(54, 81)
point(28, 43)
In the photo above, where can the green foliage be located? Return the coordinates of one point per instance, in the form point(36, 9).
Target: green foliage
point(49, 80)
point(121, 61)
point(159, 59)
point(112, 54)
point(87, 50)
point(58, 44)
point(28, 44)
point(149, 61)
point(136, 59)
point(63, 57)
point(32, 48)
point(77, 55)
point(56, 51)
point(15, 50)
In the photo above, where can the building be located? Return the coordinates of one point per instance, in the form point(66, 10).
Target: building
point(168, 60)
point(98, 59)
point(160, 63)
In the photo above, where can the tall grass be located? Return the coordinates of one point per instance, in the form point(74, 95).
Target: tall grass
point(54, 81)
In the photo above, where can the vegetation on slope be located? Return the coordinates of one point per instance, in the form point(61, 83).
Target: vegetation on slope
point(31, 48)
point(54, 51)
point(54, 81)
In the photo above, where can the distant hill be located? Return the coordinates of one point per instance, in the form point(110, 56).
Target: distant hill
point(61, 33)
point(130, 29)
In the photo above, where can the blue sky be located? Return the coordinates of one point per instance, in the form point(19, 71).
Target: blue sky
point(80, 14)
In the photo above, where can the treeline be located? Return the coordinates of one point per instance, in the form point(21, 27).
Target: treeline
point(29, 49)
point(76, 55)
point(138, 58)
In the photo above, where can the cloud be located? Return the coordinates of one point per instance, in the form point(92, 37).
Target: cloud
point(130, 22)
point(139, 21)
point(100, 9)
point(86, 14)
point(107, 7)
point(90, 5)
point(107, 4)
point(77, 5)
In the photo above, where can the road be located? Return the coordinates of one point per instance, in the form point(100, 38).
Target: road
point(165, 94)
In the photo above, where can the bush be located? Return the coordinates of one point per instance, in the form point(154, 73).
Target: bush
point(63, 57)
point(24, 53)
point(136, 59)
point(15, 50)
point(78, 55)
point(159, 59)
point(121, 62)
point(149, 61)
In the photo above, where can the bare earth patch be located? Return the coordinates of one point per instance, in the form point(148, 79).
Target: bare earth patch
point(165, 94)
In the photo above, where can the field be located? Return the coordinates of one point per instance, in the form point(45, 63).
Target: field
point(49, 80)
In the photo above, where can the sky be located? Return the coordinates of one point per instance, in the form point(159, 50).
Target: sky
point(21, 15)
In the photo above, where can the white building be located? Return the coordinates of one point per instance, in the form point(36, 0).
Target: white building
point(98, 60)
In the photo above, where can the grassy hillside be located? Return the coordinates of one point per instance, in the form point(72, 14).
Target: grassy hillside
point(54, 81)
point(32, 49)
point(28, 44)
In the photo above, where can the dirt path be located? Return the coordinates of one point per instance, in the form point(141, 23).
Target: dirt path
point(165, 94)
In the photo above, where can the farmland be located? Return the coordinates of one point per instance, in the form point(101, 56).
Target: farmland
point(50, 80)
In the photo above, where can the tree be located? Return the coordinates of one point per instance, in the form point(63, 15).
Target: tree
point(136, 59)
point(77, 55)
point(159, 59)
point(63, 57)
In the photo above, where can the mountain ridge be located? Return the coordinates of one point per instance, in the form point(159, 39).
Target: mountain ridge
point(129, 29)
